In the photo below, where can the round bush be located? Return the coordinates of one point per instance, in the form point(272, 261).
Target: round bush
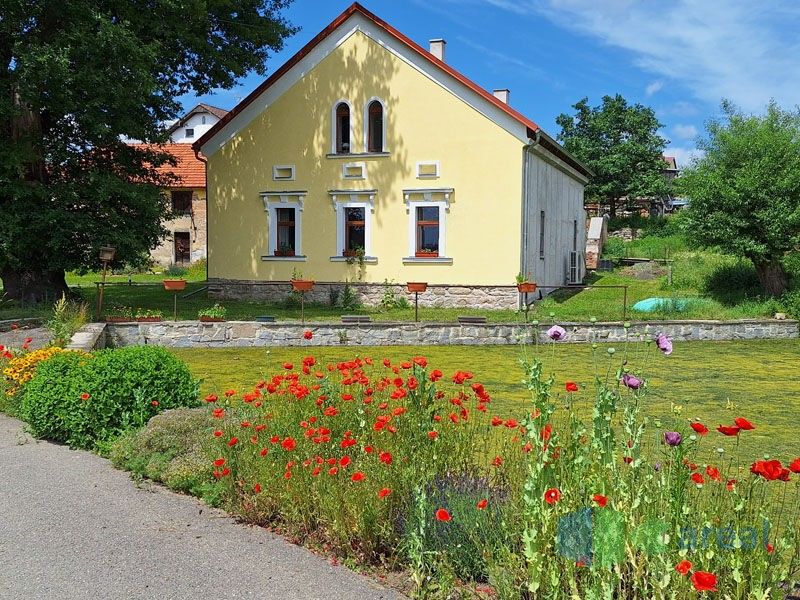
point(85, 400)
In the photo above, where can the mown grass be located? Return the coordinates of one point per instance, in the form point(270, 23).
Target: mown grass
point(712, 381)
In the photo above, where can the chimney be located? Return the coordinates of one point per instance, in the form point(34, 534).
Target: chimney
point(437, 48)
point(502, 95)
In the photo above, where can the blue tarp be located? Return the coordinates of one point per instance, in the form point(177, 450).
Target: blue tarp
point(666, 304)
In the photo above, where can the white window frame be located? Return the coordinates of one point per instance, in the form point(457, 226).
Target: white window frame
point(385, 149)
point(276, 168)
point(435, 163)
point(186, 131)
point(342, 199)
point(422, 198)
point(333, 127)
point(274, 201)
point(354, 165)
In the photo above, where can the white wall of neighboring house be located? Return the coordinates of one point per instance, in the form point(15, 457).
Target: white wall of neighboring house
point(196, 123)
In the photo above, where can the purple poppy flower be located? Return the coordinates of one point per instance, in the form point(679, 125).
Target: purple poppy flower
point(664, 344)
point(657, 466)
point(556, 333)
point(672, 438)
point(631, 381)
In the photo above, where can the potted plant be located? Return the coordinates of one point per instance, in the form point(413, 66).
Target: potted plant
point(120, 314)
point(174, 285)
point(299, 284)
point(149, 315)
point(212, 315)
point(525, 284)
point(427, 253)
point(417, 286)
point(284, 250)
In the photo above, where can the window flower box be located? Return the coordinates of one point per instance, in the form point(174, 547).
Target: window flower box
point(426, 254)
point(149, 319)
point(284, 252)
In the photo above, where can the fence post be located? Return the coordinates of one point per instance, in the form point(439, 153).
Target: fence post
point(624, 302)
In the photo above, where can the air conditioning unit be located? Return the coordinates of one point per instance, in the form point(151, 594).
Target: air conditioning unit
point(574, 274)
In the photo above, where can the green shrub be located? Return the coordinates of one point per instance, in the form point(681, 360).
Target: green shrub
point(614, 247)
point(174, 270)
point(87, 400)
point(197, 270)
point(791, 302)
point(171, 449)
point(68, 318)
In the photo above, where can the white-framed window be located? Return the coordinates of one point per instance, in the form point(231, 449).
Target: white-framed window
point(354, 210)
point(189, 132)
point(341, 128)
point(203, 120)
point(427, 224)
point(375, 125)
point(285, 221)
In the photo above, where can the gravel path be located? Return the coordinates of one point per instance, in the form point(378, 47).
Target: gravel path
point(72, 526)
point(15, 338)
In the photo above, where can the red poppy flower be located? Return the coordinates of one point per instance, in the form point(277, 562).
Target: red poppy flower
point(233, 441)
point(333, 471)
point(511, 423)
point(729, 430)
point(344, 461)
point(436, 375)
point(497, 461)
point(770, 470)
point(770, 548)
point(287, 475)
point(795, 466)
point(218, 433)
point(601, 500)
point(257, 488)
point(154, 402)
point(230, 393)
point(496, 421)
point(433, 434)
point(704, 581)
point(443, 515)
point(571, 386)
point(731, 484)
point(85, 396)
point(331, 411)
point(357, 476)
point(219, 462)
point(743, 424)
point(481, 505)
point(552, 496)
point(698, 479)
point(713, 473)
point(683, 567)
point(546, 432)
point(384, 492)
point(699, 428)
point(289, 444)
point(264, 451)
point(385, 458)
point(307, 334)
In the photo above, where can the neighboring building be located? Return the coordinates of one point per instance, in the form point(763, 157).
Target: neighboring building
point(186, 242)
point(364, 142)
point(195, 123)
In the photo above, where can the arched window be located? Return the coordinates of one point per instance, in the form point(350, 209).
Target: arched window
point(342, 128)
point(375, 127)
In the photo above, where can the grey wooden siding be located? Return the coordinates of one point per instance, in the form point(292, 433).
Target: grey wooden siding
point(551, 188)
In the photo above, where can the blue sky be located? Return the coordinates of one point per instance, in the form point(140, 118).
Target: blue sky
point(678, 57)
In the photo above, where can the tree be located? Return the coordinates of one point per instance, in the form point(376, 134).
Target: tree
point(744, 193)
point(78, 76)
point(620, 144)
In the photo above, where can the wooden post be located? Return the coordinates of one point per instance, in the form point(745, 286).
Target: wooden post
point(101, 291)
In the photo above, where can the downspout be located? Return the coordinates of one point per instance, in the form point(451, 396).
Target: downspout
point(527, 148)
point(204, 160)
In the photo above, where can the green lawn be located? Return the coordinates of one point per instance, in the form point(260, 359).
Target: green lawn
point(713, 381)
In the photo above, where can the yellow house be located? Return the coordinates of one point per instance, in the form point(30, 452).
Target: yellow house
point(368, 159)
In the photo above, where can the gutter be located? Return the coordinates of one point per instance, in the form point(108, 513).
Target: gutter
point(526, 149)
point(199, 156)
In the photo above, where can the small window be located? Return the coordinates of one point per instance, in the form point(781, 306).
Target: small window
point(203, 120)
point(183, 247)
point(285, 232)
point(575, 235)
point(375, 128)
point(427, 245)
point(342, 128)
point(189, 132)
point(181, 202)
point(541, 235)
point(283, 172)
point(354, 230)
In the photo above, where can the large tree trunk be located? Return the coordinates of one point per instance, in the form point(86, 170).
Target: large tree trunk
point(772, 276)
point(612, 208)
point(33, 286)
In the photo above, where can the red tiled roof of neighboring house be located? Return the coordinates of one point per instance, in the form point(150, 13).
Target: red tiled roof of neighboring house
point(190, 170)
point(532, 127)
point(671, 162)
point(217, 112)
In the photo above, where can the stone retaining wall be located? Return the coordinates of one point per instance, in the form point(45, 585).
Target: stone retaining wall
point(371, 294)
point(247, 334)
point(91, 336)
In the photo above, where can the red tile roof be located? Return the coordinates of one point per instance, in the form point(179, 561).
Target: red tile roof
point(190, 170)
point(532, 128)
point(671, 162)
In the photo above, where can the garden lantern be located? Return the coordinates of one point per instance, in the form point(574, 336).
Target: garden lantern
point(107, 254)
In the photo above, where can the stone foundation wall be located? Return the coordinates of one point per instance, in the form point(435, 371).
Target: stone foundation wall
point(371, 294)
point(248, 334)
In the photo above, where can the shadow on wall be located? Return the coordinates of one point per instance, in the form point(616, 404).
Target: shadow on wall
point(312, 138)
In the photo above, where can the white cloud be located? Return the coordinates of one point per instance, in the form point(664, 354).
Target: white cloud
point(683, 155)
point(741, 50)
point(653, 88)
point(685, 132)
